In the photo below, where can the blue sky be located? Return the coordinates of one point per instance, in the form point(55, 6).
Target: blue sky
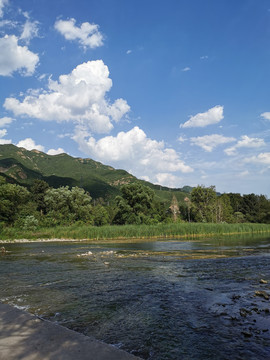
point(175, 92)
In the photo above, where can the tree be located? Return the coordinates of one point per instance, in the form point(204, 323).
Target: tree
point(203, 203)
point(136, 205)
point(100, 215)
point(38, 191)
point(12, 197)
point(65, 205)
point(224, 211)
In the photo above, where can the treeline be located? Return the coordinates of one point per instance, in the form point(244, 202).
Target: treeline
point(205, 205)
point(44, 206)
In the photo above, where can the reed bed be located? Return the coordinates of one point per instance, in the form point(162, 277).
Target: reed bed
point(175, 230)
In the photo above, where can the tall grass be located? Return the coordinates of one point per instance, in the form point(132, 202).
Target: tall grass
point(176, 230)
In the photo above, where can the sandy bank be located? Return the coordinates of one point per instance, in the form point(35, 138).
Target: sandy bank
point(26, 337)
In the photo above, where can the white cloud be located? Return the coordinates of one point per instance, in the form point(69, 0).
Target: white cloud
point(209, 142)
point(169, 180)
point(30, 30)
point(56, 151)
point(186, 69)
point(14, 57)
point(87, 34)
point(246, 142)
point(29, 144)
point(133, 151)
point(8, 23)
point(5, 142)
point(182, 139)
point(262, 158)
point(204, 57)
point(145, 178)
point(5, 121)
point(243, 173)
point(129, 52)
point(211, 116)
point(3, 3)
point(2, 134)
point(266, 115)
point(80, 96)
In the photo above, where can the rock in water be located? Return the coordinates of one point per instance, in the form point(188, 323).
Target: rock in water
point(262, 294)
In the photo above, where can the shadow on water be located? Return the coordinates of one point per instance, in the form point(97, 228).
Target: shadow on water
point(199, 299)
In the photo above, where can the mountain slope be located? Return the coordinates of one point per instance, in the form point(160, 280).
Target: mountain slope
point(23, 167)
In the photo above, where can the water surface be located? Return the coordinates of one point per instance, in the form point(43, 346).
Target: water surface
point(162, 299)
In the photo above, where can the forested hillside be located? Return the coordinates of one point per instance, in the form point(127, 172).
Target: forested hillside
point(41, 190)
point(22, 167)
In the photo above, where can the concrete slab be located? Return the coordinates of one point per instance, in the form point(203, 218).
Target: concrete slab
point(26, 337)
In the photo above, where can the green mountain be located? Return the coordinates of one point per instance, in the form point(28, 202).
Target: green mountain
point(21, 166)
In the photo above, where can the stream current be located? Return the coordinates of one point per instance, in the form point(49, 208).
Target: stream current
point(166, 299)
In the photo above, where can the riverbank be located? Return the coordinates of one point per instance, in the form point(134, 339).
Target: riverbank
point(25, 336)
point(86, 232)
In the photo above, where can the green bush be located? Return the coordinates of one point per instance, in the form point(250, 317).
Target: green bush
point(30, 223)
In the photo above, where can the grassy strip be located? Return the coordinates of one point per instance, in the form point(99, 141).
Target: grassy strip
point(178, 230)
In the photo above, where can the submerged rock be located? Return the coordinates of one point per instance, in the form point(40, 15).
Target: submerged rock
point(244, 312)
point(246, 333)
point(89, 253)
point(262, 294)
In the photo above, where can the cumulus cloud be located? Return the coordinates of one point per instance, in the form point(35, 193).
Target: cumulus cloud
point(134, 151)
point(87, 34)
point(3, 3)
point(14, 57)
point(186, 69)
point(209, 142)
point(266, 115)
point(262, 158)
point(211, 116)
point(29, 144)
point(56, 151)
point(245, 142)
point(5, 121)
point(80, 96)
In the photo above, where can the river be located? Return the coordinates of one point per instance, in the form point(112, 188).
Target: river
point(165, 299)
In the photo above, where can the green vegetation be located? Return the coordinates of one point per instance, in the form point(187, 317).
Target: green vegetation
point(173, 230)
point(22, 167)
point(37, 209)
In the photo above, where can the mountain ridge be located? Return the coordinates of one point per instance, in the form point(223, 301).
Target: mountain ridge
point(24, 166)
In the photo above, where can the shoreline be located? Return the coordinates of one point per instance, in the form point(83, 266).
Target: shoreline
point(137, 239)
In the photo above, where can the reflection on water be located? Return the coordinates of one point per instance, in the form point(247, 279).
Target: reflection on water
point(157, 299)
